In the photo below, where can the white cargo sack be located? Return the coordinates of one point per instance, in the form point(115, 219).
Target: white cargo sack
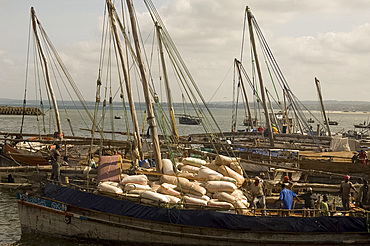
point(227, 171)
point(204, 197)
point(194, 161)
point(172, 199)
point(169, 189)
point(167, 166)
point(205, 172)
point(195, 201)
point(190, 169)
point(224, 160)
point(226, 197)
point(105, 187)
point(215, 186)
point(129, 187)
point(135, 179)
point(154, 196)
point(219, 204)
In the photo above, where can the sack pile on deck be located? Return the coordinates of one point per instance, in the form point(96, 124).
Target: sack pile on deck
point(214, 184)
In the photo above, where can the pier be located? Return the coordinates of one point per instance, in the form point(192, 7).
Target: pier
point(10, 110)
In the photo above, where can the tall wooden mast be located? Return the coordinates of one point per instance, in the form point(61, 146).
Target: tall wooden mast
point(127, 81)
point(168, 89)
point(267, 116)
point(144, 80)
point(52, 94)
point(322, 105)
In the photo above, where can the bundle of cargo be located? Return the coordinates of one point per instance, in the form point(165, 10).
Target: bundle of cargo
point(215, 185)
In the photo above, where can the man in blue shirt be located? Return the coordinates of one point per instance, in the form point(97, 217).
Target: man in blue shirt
point(287, 197)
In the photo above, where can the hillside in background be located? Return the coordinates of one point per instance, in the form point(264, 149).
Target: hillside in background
point(330, 105)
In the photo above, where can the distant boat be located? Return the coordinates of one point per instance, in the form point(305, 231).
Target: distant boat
point(246, 122)
point(25, 157)
point(362, 125)
point(117, 117)
point(310, 120)
point(332, 122)
point(186, 119)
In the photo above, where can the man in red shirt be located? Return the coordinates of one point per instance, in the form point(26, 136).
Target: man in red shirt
point(362, 157)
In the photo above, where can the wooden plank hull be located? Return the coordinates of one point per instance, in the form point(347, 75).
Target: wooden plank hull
point(88, 224)
point(30, 158)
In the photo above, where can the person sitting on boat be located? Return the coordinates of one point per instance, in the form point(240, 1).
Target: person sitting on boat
point(257, 189)
point(324, 207)
point(287, 196)
point(362, 157)
point(345, 189)
point(55, 163)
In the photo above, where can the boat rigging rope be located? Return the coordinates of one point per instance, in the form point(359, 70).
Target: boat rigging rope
point(26, 81)
point(301, 119)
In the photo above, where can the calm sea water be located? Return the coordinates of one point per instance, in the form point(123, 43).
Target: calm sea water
point(10, 233)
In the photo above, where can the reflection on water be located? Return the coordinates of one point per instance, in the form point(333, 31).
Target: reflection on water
point(10, 230)
point(38, 239)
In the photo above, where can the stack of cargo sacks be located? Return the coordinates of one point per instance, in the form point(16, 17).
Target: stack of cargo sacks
point(184, 185)
point(134, 184)
point(227, 171)
point(216, 186)
point(239, 202)
point(231, 162)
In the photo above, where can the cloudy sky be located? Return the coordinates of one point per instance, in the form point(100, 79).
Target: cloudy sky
point(327, 39)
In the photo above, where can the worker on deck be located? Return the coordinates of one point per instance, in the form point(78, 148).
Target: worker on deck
point(364, 194)
point(55, 157)
point(309, 200)
point(324, 207)
point(362, 157)
point(257, 190)
point(287, 196)
point(345, 189)
point(288, 183)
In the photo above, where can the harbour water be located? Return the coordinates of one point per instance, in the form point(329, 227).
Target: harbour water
point(10, 232)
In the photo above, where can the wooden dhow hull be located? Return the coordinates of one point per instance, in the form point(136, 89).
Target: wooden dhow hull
point(48, 216)
point(25, 157)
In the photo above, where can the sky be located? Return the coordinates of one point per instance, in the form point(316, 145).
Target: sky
point(327, 39)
